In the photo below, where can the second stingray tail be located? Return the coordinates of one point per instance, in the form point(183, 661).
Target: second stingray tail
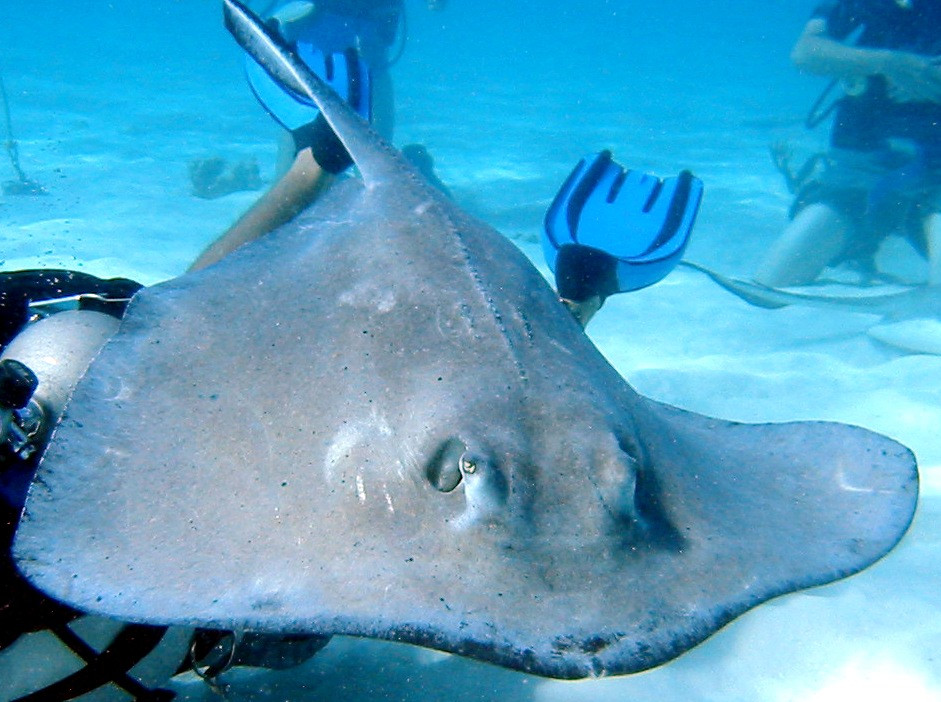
point(375, 158)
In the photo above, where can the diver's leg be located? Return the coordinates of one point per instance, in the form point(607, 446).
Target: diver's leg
point(933, 238)
point(812, 239)
point(308, 156)
point(294, 191)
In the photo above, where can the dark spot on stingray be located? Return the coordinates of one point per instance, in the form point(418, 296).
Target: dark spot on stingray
point(595, 644)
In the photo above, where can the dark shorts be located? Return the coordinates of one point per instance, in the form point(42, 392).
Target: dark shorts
point(879, 193)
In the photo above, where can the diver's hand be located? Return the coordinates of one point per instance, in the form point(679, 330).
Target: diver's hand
point(912, 78)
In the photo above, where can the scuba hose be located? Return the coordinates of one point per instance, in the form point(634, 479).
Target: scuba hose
point(822, 108)
point(819, 111)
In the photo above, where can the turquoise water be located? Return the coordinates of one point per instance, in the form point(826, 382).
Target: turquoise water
point(112, 100)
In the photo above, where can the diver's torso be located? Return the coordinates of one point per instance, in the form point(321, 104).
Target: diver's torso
point(867, 119)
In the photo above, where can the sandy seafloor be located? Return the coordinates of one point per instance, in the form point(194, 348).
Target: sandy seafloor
point(112, 100)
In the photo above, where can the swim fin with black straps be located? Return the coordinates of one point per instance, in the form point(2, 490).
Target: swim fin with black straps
point(612, 230)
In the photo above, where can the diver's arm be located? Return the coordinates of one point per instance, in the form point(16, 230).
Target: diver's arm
point(911, 77)
point(296, 189)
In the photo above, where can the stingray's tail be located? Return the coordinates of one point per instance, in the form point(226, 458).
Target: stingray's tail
point(375, 158)
point(752, 293)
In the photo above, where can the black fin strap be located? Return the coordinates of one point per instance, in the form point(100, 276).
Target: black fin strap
point(327, 149)
point(583, 272)
point(132, 644)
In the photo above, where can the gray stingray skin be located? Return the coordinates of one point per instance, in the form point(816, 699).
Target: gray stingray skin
point(261, 446)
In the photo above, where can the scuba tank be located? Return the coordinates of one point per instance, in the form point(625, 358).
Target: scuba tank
point(38, 371)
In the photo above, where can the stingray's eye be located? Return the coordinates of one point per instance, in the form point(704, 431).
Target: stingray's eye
point(444, 469)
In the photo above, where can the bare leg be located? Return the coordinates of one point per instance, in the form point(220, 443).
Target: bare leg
point(933, 235)
point(809, 242)
point(301, 183)
point(295, 190)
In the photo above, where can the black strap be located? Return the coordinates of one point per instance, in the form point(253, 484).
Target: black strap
point(582, 272)
point(23, 609)
point(18, 289)
point(327, 149)
point(132, 644)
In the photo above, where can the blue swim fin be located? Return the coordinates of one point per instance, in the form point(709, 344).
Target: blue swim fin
point(609, 230)
point(345, 72)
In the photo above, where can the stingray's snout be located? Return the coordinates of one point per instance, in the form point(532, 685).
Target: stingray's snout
point(537, 496)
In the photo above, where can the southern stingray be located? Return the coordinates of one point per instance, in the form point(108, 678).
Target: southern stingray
point(909, 317)
point(380, 421)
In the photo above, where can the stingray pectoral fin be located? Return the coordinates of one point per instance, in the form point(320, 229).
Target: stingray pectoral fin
point(785, 506)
